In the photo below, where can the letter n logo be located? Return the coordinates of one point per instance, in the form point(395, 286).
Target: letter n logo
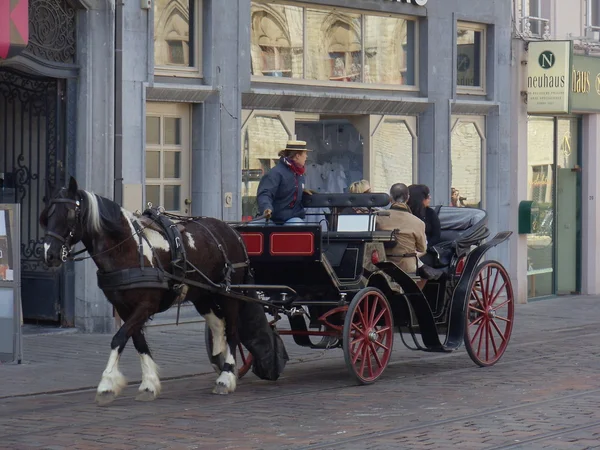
point(546, 59)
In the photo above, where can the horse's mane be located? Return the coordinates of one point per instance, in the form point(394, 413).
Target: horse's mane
point(100, 214)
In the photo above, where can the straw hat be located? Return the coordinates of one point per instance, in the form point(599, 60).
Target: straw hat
point(296, 146)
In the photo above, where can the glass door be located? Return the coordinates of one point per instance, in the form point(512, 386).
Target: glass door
point(168, 156)
point(568, 207)
point(540, 178)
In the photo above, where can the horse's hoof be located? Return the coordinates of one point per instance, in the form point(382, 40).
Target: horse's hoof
point(145, 396)
point(220, 389)
point(105, 398)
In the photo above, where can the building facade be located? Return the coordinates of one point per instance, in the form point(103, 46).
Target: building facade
point(185, 103)
point(556, 134)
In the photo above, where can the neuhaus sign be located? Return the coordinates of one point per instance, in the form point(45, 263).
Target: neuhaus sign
point(549, 77)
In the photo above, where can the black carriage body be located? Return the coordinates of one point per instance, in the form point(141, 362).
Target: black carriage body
point(328, 269)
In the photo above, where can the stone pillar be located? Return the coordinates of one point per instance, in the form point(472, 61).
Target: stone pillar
point(519, 171)
point(590, 258)
point(95, 145)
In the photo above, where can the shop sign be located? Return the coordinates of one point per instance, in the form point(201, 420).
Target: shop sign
point(549, 77)
point(14, 27)
point(585, 84)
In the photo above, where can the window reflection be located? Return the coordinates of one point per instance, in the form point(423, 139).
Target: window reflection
point(469, 57)
point(334, 48)
point(393, 147)
point(277, 41)
point(389, 50)
point(334, 45)
point(172, 31)
point(466, 151)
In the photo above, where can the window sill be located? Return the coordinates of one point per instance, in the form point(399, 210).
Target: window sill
point(178, 72)
point(462, 90)
point(334, 84)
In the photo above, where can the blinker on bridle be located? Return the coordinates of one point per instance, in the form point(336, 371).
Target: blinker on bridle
point(72, 217)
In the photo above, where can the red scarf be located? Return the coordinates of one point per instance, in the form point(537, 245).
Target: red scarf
point(298, 171)
point(293, 166)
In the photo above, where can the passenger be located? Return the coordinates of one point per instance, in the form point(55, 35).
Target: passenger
point(409, 232)
point(419, 205)
point(358, 187)
point(280, 191)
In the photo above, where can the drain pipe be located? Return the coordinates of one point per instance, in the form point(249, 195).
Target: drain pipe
point(118, 100)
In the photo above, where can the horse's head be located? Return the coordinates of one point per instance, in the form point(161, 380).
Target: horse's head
point(62, 221)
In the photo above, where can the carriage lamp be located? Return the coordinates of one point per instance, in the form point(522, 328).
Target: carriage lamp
point(460, 265)
point(375, 257)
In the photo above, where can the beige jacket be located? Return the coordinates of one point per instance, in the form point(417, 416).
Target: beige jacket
point(410, 236)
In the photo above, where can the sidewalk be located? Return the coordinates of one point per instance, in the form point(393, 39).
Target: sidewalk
point(65, 360)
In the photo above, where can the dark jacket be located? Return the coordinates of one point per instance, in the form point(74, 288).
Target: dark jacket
point(280, 190)
point(433, 227)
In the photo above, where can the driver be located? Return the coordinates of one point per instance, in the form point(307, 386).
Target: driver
point(280, 191)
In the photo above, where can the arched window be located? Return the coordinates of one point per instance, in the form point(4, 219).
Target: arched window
point(173, 36)
point(277, 41)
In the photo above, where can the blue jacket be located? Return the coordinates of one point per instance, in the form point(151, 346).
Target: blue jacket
point(280, 190)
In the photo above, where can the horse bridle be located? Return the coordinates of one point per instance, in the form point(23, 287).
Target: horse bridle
point(72, 219)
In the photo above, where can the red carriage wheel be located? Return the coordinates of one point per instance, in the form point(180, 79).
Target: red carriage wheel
point(490, 314)
point(243, 357)
point(368, 335)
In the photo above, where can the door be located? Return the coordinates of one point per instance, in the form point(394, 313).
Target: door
point(567, 224)
point(32, 156)
point(168, 157)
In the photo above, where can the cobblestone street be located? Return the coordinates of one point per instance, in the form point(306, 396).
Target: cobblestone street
point(543, 394)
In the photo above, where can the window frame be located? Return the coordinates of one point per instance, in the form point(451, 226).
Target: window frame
point(352, 85)
point(480, 124)
point(590, 27)
point(483, 29)
point(194, 71)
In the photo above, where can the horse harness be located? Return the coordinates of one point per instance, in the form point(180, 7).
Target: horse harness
point(153, 277)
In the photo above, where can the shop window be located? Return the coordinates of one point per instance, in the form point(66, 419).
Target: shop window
point(466, 158)
point(540, 183)
point(393, 145)
point(277, 41)
point(389, 50)
point(332, 45)
point(175, 35)
point(470, 58)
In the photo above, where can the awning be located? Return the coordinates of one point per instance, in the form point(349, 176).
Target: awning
point(14, 27)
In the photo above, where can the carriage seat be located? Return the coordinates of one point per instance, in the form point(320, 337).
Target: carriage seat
point(458, 223)
point(368, 200)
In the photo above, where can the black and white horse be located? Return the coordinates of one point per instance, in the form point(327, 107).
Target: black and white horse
point(110, 235)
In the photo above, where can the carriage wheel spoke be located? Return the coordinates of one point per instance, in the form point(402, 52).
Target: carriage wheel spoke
point(497, 294)
point(476, 321)
point(487, 284)
point(357, 351)
point(504, 319)
point(494, 286)
point(472, 308)
point(373, 310)
point(502, 304)
point(368, 358)
point(478, 299)
point(379, 316)
point(483, 293)
point(480, 331)
point(363, 360)
point(380, 344)
point(357, 328)
point(381, 330)
point(375, 355)
point(498, 330)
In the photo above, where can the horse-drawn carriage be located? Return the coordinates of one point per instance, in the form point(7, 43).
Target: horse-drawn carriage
point(342, 288)
point(332, 282)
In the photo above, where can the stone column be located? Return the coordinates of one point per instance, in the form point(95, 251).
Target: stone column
point(95, 144)
point(590, 258)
